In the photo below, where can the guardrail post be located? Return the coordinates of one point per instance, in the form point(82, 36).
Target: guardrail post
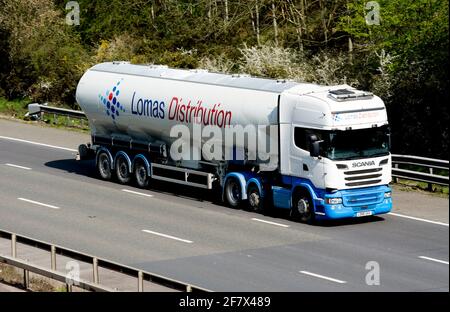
point(430, 185)
point(95, 269)
point(140, 281)
point(26, 279)
point(53, 257)
point(13, 245)
point(395, 178)
point(68, 288)
point(188, 288)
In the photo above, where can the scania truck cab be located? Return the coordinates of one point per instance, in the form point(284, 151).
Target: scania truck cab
point(334, 153)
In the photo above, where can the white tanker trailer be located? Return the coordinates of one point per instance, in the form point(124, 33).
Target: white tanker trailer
point(321, 152)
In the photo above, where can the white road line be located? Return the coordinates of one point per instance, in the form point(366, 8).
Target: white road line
point(435, 260)
point(269, 222)
point(137, 193)
point(418, 219)
point(168, 236)
point(323, 277)
point(17, 166)
point(37, 203)
point(37, 143)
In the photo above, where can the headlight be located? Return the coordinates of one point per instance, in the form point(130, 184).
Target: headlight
point(388, 195)
point(333, 201)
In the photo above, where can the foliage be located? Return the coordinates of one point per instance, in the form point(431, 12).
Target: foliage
point(285, 63)
point(411, 47)
point(328, 42)
point(45, 59)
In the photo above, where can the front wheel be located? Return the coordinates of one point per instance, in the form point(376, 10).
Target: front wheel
point(302, 207)
point(255, 201)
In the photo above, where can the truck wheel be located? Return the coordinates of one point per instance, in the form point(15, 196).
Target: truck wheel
point(104, 166)
point(122, 170)
point(141, 174)
point(302, 207)
point(233, 192)
point(255, 201)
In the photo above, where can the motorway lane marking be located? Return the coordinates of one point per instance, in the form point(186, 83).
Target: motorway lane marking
point(323, 277)
point(17, 166)
point(37, 143)
point(432, 259)
point(418, 219)
point(270, 222)
point(168, 236)
point(137, 193)
point(37, 203)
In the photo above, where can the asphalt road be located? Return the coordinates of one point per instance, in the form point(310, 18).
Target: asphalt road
point(184, 234)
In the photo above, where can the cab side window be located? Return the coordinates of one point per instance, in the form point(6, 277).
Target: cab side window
point(301, 138)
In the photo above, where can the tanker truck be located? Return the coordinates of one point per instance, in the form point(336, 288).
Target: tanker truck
point(321, 152)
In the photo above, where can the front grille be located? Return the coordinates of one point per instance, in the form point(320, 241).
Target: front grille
point(363, 171)
point(363, 177)
point(371, 176)
point(363, 199)
point(361, 183)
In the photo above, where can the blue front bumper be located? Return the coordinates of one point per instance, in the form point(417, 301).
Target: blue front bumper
point(355, 203)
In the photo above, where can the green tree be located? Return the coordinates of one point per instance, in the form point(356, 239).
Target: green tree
point(414, 37)
point(45, 58)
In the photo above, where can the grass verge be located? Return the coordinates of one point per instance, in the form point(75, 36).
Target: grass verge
point(14, 277)
point(16, 109)
point(414, 186)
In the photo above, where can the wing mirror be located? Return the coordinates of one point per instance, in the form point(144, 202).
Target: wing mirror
point(314, 148)
point(389, 141)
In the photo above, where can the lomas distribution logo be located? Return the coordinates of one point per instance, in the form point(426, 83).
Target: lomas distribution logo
point(110, 101)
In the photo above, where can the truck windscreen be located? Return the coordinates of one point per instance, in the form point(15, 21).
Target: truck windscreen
point(353, 144)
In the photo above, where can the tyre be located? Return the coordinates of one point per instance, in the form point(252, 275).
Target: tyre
point(104, 166)
point(233, 192)
point(302, 207)
point(255, 201)
point(122, 170)
point(141, 174)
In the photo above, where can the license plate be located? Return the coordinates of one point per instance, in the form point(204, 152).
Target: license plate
point(364, 213)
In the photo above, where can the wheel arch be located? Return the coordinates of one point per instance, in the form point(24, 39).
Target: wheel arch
point(257, 183)
point(104, 149)
point(305, 188)
point(242, 181)
point(145, 160)
point(127, 158)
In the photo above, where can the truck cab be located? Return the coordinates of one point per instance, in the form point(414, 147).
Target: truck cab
point(334, 153)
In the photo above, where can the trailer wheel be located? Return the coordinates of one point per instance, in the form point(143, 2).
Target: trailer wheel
point(255, 201)
point(141, 174)
point(233, 192)
point(104, 166)
point(122, 170)
point(302, 207)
